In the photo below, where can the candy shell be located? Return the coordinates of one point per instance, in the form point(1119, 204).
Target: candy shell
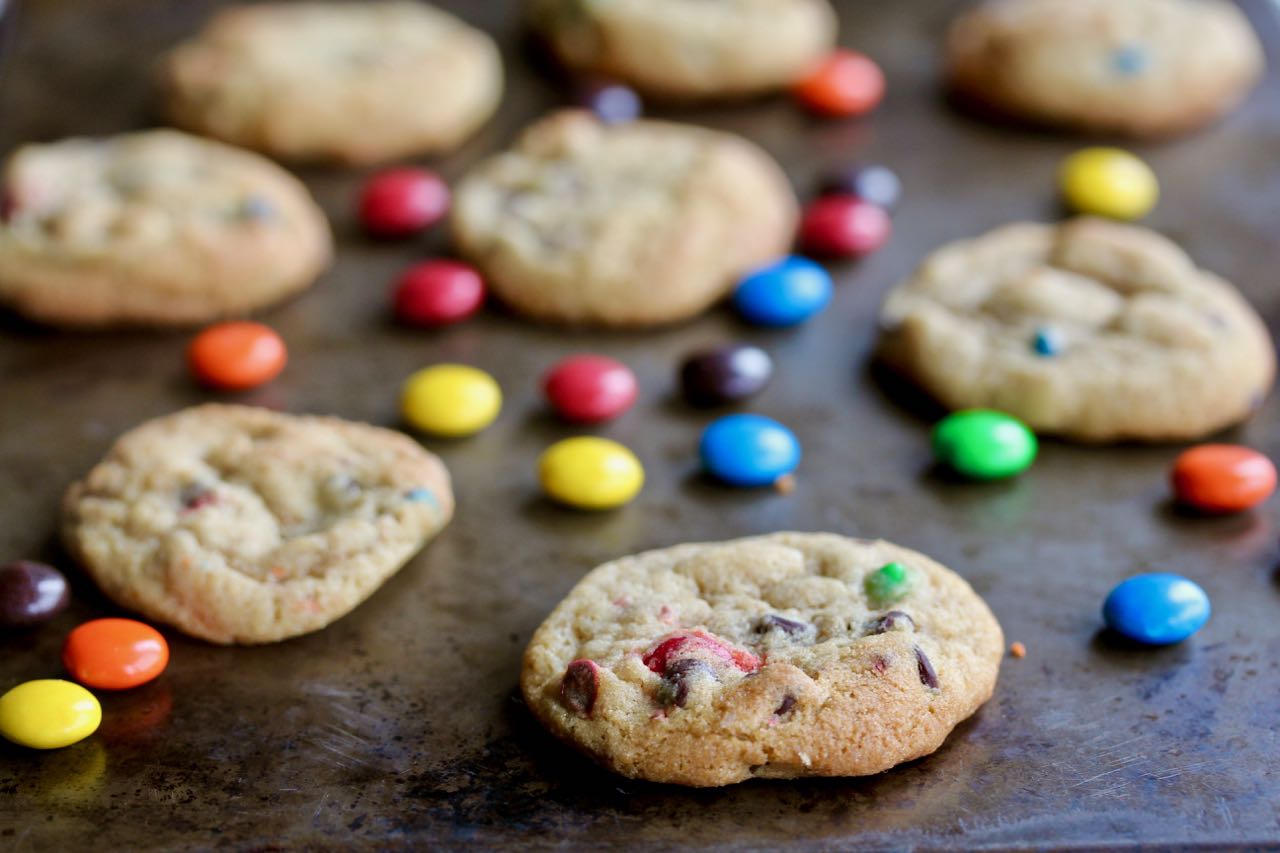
point(785, 293)
point(725, 375)
point(590, 388)
point(1108, 182)
point(48, 714)
point(1156, 609)
point(749, 450)
point(115, 654)
point(237, 356)
point(590, 473)
point(1222, 478)
point(31, 593)
point(450, 400)
point(983, 444)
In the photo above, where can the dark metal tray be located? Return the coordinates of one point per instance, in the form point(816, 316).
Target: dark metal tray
point(399, 725)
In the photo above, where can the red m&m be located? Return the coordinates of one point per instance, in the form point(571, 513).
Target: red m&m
point(401, 202)
point(436, 293)
point(843, 226)
point(1220, 478)
point(590, 388)
point(115, 654)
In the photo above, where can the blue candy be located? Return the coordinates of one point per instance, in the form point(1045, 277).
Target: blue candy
point(1129, 60)
point(1156, 609)
point(783, 294)
point(1046, 342)
point(749, 450)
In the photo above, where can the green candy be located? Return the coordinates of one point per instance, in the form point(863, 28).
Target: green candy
point(888, 583)
point(983, 444)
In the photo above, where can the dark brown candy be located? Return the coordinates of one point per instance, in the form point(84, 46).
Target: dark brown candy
point(579, 687)
point(31, 593)
point(674, 689)
point(928, 677)
point(774, 622)
point(889, 621)
point(725, 375)
point(788, 702)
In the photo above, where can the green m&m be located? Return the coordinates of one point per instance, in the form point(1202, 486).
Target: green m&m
point(983, 444)
point(887, 584)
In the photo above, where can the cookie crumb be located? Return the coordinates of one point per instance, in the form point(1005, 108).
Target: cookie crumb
point(786, 484)
point(1018, 650)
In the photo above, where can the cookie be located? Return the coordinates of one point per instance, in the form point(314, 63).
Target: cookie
point(241, 525)
point(689, 50)
point(335, 82)
point(795, 654)
point(153, 228)
point(1137, 67)
point(634, 224)
point(1091, 330)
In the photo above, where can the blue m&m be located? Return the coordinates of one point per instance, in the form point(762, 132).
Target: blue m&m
point(749, 450)
point(1157, 608)
point(783, 294)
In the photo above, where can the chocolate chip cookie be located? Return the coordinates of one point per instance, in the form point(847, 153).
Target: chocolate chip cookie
point(241, 525)
point(689, 48)
point(340, 82)
point(795, 654)
point(635, 224)
point(153, 228)
point(1090, 330)
point(1136, 67)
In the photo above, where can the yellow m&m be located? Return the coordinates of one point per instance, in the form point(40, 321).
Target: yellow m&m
point(1108, 182)
point(590, 473)
point(450, 400)
point(48, 714)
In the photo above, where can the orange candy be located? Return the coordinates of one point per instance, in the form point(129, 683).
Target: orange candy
point(847, 83)
point(115, 654)
point(1222, 478)
point(236, 356)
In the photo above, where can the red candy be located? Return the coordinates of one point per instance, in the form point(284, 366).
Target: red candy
point(844, 226)
point(660, 657)
point(402, 202)
point(115, 654)
point(590, 388)
point(847, 83)
point(437, 293)
point(236, 356)
point(1221, 478)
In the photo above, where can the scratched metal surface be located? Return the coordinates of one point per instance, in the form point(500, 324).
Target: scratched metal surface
point(398, 726)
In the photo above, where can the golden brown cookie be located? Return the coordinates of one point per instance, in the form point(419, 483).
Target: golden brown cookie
point(242, 525)
point(634, 224)
point(689, 48)
point(153, 228)
point(1091, 330)
point(795, 654)
point(341, 82)
point(1135, 67)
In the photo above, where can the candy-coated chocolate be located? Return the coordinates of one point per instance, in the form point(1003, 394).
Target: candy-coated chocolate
point(843, 226)
point(887, 584)
point(437, 293)
point(403, 201)
point(115, 654)
point(611, 101)
point(590, 388)
point(875, 184)
point(725, 375)
point(48, 714)
point(1046, 342)
point(237, 356)
point(1220, 478)
point(749, 450)
point(31, 593)
point(1157, 608)
point(785, 293)
point(983, 444)
point(846, 83)
point(590, 473)
point(450, 400)
point(1108, 182)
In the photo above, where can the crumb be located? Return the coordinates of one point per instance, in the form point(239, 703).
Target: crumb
point(1018, 650)
point(786, 484)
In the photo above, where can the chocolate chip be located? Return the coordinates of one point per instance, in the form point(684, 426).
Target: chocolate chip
point(788, 702)
point(928, 677)
point(579, 686)
point(775, 622)
point(674, 689)
point(889, 621)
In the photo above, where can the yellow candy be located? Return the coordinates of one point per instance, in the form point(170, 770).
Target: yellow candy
point(48, 714)
point(1108, 182)
point(451, 400)
point(590, 473)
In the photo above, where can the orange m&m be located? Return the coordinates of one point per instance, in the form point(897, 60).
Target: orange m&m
point(1222, 478)
point(846, 83)
point(115, 654)
point(236, 356)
